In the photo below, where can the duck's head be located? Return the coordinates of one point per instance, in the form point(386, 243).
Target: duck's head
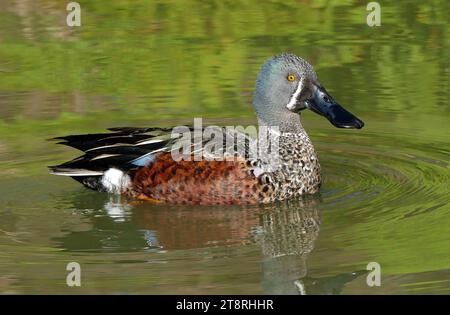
point(286, 85)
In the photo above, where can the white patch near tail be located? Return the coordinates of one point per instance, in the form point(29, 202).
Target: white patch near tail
point(115, 181)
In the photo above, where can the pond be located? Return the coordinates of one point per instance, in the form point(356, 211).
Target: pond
point(385, 196)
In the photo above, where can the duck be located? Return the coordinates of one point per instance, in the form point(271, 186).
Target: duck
point(140, 162)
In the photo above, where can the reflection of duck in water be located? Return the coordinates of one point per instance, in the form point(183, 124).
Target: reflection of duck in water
point(121, 224)
point(287, 237)
point(285, 231)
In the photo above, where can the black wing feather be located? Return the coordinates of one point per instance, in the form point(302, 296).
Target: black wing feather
point(114, 149)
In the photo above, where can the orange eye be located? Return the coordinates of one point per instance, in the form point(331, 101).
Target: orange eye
point(291, 77)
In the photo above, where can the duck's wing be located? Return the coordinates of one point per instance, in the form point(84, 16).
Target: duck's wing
point(128, 148)
point(117, 148)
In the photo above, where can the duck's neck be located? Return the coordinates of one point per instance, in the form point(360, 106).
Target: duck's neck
point(290, 124)
point(292, 141)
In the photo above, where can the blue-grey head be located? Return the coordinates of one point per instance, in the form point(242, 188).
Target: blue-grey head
point(288, 84)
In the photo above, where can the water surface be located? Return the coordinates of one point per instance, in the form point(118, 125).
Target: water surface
point(386, 190)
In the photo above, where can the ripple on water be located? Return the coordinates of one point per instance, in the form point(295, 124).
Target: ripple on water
point(378, 178)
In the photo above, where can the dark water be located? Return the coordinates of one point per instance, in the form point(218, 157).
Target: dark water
point(386, 190)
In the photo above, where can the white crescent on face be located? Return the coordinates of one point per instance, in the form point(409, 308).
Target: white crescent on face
point(291, 104)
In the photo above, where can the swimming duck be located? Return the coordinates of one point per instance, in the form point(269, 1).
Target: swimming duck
point(139, 162)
